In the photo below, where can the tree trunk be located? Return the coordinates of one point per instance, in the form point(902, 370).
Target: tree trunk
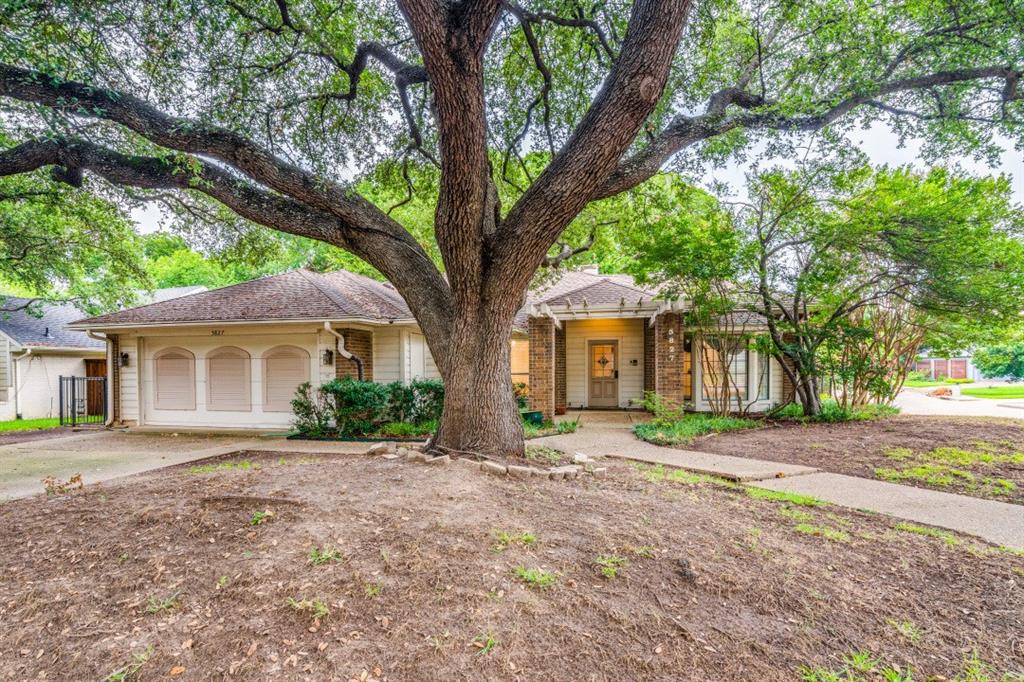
point(810, 395)
point(480, 414)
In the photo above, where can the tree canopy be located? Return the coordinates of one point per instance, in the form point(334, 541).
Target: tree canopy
point(276, 111)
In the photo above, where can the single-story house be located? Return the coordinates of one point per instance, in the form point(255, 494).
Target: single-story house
point(233, 357)
point(36, 349)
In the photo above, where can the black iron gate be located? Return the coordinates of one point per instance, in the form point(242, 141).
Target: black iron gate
point(83, 400)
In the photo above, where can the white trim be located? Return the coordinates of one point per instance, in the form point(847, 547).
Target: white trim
point(99, 326)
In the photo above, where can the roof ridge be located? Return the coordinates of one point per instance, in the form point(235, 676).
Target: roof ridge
point(602, 279)
point(331, 296)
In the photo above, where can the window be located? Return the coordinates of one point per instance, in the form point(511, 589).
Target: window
point(723, 370)
point(284, 368)
point(228, 384)
point(174, 380)
point(764, 375)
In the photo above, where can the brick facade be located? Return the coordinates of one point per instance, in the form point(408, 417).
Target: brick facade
point(115, 379)
point(648, 358)
point(542, 366)
point(560, 388)
point(669, 358)
point(359, 342)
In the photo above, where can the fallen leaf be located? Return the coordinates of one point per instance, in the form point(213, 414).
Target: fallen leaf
point(252, 649)
point(177, 670)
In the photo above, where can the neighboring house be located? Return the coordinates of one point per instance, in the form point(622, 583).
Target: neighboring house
point(35, 351)
point(37, 348)
point(233, 357)
point(958, 367)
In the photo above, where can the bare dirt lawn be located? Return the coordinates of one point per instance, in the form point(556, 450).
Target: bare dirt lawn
point(977, 456)
point(427, 572)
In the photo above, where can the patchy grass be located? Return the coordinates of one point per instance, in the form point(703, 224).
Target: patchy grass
point(822, 531)
point(319, 557)
point(260, 517)
point(240, 465)
point(316, 608)
point(610, 565)
point(783, 496)
point(129, 671)
point(943, 476)
point(864, 666)
point(158, 604)
point(28, 424)
point(544, 454)
point(689, 428)
point(658, 473)
point(908, 629)
point(995, 392)
point(485, 643)
point(535, 577)
point(833, 413)
point(503, 540)
point(928, 531)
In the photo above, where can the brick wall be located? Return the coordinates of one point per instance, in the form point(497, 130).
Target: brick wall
point(560, 390)
point(542, 365)
point(359, 342)
point(115, 378)
point(668, 357)
point(648, 357)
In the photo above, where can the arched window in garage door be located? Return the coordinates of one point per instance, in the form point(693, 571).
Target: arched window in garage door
point(228, 379)
point(284, 368)
point(174, 379)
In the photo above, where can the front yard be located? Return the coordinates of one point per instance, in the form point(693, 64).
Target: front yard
point(273, 567)
point(978, 456)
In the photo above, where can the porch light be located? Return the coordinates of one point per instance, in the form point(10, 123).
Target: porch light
point(328, 358)
point(124, 359)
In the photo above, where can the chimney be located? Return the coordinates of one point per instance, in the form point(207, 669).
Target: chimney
point(592, 269)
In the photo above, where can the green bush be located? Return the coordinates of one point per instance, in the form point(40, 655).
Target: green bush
point(832, 413)
point(429, 399)
point(347, 407)
point(359, 406)
point(312, 414)
point(687, 428)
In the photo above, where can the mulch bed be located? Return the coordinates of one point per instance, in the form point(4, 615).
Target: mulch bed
point(166, 566)
point(858, 448)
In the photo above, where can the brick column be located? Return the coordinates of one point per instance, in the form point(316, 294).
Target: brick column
point(560, 391)
point(542, 366)
point(359, 342)
point(115, 378)
point(668, 358)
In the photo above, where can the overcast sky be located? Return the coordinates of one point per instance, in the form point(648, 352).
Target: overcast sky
point(880, 145)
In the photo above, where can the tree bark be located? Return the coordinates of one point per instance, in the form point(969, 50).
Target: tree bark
point(480, 414)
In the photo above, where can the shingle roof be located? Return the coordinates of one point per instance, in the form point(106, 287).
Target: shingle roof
point(603, 292)
point(295, 295)
point(47, 331)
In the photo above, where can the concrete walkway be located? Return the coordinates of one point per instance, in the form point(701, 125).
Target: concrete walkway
point(105, 455)
point(609, 435)
point(916, 401)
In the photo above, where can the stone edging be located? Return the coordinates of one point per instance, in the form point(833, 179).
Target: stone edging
point(582, 464)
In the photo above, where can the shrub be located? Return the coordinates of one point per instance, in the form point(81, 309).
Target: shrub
point(833, 413)
point(401, 402)
point(429, 400)
point(522, 394)
point(312, 414)
point(359, 406)
point(687, 428)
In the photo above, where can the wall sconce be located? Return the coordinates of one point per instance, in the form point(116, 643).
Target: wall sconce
point(124, 359)
point(328, 358)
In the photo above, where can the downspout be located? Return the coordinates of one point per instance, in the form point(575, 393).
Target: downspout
point(15, 361)
point(95, 336)
point(345, 353)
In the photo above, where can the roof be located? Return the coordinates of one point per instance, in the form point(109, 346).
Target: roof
point(586, 285)
point(167, 293)
point(47, 331)
point(295, 295)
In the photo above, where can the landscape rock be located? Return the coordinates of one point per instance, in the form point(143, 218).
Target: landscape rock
point(599, 472)
point(402, 452)
point(569, 471)
point(443, 460)
point(555, 474)
point(580, 458)
point(390, 455)
point(377, 449)
point(493, 468)
point(516, 471)
point(417, 457)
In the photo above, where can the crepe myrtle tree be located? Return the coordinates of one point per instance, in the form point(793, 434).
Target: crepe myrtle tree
point(275, 108)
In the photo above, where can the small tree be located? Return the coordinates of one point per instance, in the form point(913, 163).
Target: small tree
point(1002, 361)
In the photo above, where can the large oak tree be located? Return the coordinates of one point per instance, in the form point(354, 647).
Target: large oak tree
point(274, 108)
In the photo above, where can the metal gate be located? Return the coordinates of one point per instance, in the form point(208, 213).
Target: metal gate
point(83, 400)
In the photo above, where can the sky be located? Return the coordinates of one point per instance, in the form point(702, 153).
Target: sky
point(879, 144)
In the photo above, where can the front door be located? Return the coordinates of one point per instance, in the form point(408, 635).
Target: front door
point(603, 363)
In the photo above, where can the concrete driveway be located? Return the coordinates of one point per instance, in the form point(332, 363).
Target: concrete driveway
point(914, 401)
point(104, 455)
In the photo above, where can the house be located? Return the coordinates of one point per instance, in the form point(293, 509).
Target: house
point(233, 357)
point(957, 367)
point(37, 348)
